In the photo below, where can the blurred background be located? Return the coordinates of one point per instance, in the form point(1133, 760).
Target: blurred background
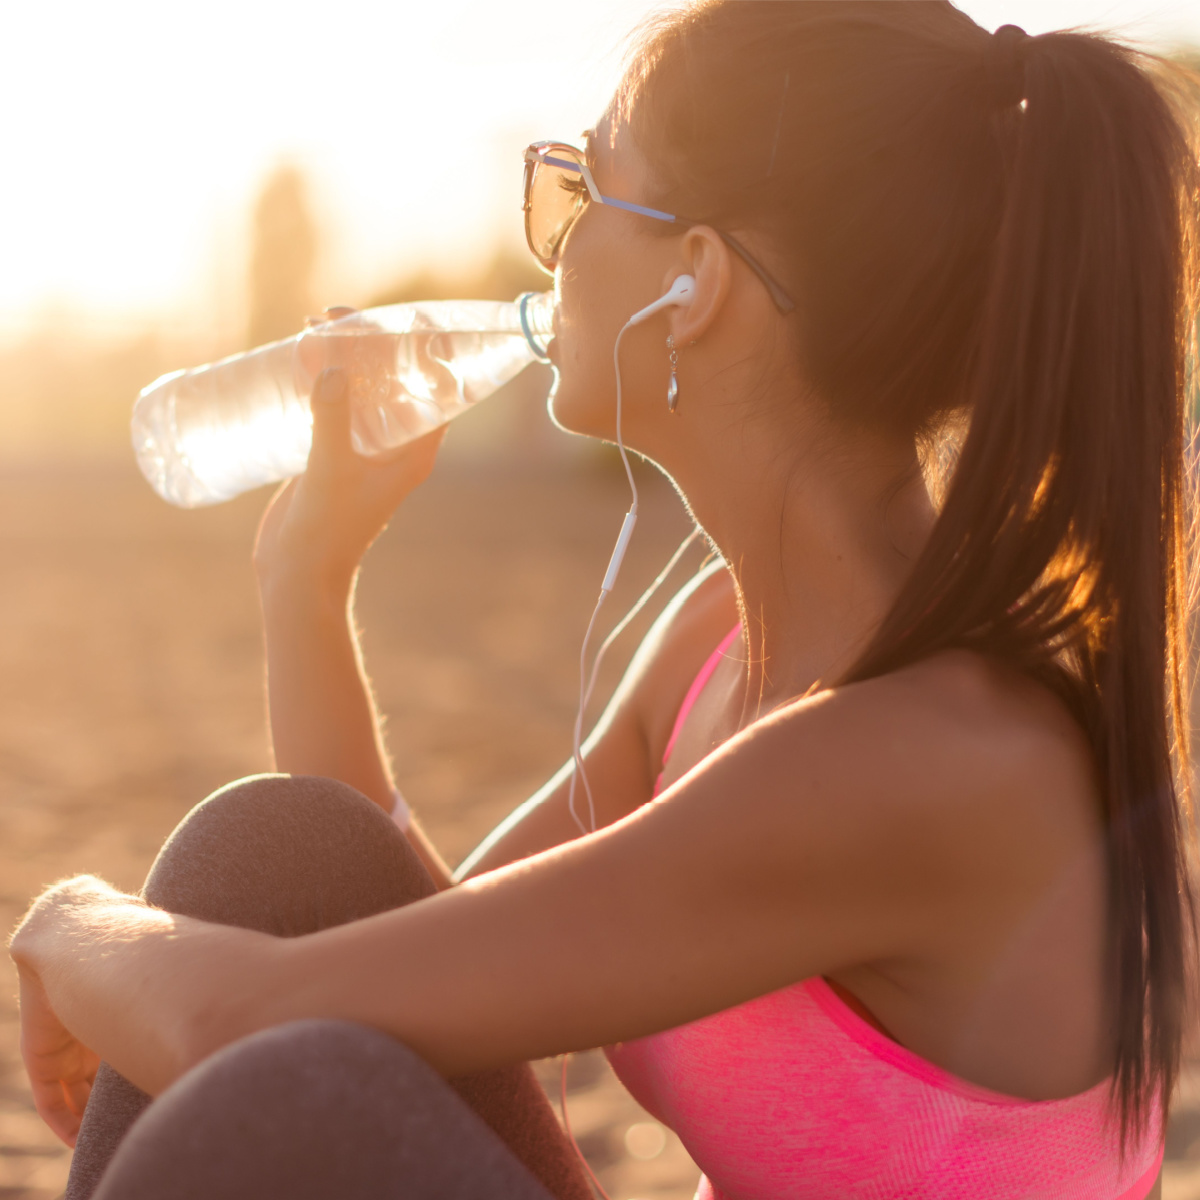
point(184, 181)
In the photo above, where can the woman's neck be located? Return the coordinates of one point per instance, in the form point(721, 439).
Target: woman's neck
point(819, 544)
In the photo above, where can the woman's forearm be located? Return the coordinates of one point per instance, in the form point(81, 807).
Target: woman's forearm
point(310, 543)
point(322, 713)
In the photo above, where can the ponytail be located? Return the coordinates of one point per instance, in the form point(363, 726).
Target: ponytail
point(1001, 227)
point(1061, 546)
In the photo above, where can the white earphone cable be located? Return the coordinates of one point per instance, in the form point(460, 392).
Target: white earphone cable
point(587, 691)
point(587, 681)
point(577, 737)
point(620, 439)
point(643, 600)
point(609, 579)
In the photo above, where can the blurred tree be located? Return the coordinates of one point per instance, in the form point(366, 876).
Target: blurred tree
point(281, 263)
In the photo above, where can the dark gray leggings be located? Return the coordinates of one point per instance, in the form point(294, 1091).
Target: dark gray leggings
point(314, 1108)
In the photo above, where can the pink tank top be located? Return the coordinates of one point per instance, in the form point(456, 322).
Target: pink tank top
point(796, 1095)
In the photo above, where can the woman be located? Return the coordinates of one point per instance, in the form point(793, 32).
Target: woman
point(890, 895)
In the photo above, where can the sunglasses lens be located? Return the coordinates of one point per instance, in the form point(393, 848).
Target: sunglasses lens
point(557, 194)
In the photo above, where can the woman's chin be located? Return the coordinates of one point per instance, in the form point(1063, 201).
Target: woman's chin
point(573, 414)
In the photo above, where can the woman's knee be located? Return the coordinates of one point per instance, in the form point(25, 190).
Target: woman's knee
point(286, 855)
point(313, 1108)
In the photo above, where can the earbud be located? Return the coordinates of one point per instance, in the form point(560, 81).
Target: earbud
point(682, 291)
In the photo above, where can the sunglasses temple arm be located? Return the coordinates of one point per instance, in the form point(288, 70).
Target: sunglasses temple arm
point(593, 190)
point(779, 297)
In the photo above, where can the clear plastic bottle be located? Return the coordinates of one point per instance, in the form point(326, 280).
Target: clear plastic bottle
point(208, 434)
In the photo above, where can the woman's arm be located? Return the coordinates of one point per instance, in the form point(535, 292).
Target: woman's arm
point(322, 713)
point(309, 548)
point(747, 875)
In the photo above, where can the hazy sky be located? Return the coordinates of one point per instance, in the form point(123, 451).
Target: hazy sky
point(137, 132)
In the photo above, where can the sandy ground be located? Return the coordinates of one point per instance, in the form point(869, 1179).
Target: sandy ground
point(131, 677)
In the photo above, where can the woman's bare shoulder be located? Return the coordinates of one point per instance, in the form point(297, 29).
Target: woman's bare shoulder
point(1014, 728)
point(964, 738)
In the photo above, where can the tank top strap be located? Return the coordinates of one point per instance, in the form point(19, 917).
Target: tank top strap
point(693, 693)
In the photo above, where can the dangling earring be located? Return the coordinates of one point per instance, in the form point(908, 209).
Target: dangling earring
point(673, 386)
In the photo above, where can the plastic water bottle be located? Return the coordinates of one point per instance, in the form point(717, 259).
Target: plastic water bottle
point(208, 434)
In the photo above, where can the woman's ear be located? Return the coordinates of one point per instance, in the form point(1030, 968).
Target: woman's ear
point(708, 260)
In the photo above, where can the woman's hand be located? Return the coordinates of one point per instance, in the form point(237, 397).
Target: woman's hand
point(60, 1067)
point(153, 993)
point(318, 526)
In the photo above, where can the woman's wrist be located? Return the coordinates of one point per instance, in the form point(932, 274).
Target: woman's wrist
point(306, 567)
point(306, 589)
point(30, 942)
point(260, 977)
point(235, 992)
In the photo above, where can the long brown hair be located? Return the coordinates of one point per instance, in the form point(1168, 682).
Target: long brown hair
point(1002, 227)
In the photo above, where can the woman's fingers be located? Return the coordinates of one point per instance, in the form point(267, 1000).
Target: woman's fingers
point(333, 452)
point(323, 522)
point(412, 462)
point(61, 1103)
point(61, 1068)
point(77, 1092)
point(334, 312)
point(61, 1085)
point(51, 1103)
point(331, 420)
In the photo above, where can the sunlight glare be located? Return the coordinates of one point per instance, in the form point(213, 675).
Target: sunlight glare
point(138, 133)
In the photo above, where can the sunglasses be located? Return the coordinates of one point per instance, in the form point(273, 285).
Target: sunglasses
point(559, 185)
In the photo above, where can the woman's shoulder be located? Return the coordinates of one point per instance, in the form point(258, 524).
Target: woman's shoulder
point(989, 710)
point(960, 737)
point(957, 732)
